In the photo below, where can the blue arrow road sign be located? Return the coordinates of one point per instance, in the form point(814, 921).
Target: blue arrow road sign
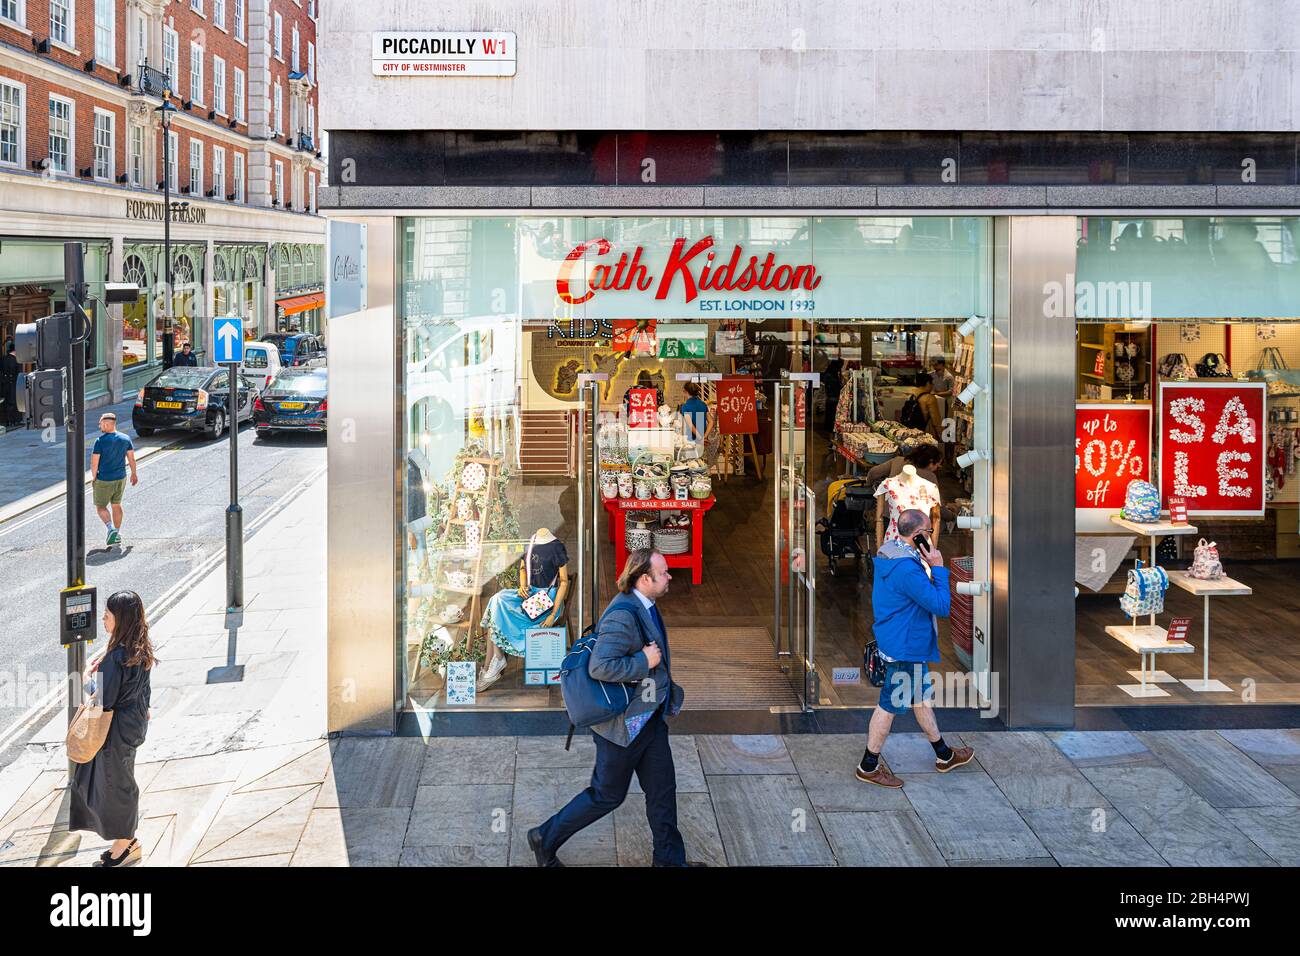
point(227, 339)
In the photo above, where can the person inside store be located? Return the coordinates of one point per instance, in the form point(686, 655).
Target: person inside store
point(832, 385)
point(699, 425)
point(909, 593)
point(941, 378)
point(643, 380)
point(631, 648)
point(105, 797)
point(9, 386)
point(931, 406)
point(185, 357)
point(537, 602)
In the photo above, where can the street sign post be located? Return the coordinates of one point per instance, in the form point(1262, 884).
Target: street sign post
point(227, 339)
point(228, 350)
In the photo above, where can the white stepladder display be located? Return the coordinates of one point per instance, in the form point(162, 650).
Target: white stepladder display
point(1149, 639)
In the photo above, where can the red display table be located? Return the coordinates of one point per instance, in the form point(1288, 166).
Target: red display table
point(617, 509)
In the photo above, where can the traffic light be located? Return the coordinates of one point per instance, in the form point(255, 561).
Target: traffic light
point(41, 399)
point(45, 343)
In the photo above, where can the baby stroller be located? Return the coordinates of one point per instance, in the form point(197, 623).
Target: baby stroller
point(847, 505)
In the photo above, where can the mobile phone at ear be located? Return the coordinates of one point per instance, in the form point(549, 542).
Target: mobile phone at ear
point(921, 543)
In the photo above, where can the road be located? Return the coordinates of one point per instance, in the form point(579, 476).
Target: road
point(174, 522)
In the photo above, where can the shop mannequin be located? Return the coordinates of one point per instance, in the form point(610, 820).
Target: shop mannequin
point(504, 617)
point(904, 491)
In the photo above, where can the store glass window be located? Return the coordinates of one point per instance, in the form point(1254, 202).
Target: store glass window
point(1188, 445)
point(135, 317)
point(768, 397)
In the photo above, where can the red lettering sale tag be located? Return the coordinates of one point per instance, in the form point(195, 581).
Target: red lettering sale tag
point(1178, 510)
point(642, 410)
point(1178, 629)
point(737, 407)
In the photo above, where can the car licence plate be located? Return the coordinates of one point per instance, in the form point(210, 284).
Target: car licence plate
point(166, 404)
point(291, 406)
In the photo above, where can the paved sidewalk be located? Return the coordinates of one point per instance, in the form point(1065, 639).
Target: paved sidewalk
point(242, 775)
point(32, 469)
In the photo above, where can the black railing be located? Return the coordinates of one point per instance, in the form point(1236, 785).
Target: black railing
point(151, 80)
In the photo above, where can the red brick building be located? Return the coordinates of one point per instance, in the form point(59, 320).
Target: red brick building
point(82, 156)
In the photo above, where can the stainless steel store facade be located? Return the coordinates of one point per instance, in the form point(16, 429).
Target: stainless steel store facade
point(971, 233)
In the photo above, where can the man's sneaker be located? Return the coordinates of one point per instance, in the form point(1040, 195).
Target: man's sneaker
point(960, 756)
point(881, 776)
point(535, 844)
point(114, 537)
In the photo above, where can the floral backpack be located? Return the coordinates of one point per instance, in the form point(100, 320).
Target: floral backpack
point(1145, 591)
point(1205, 563)
point(1141, 502)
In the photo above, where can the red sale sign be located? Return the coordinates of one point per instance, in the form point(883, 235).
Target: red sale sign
point(1212, 450)
point(737, 407)
point(1112, 446)
point(631, 335)
point(642, 408)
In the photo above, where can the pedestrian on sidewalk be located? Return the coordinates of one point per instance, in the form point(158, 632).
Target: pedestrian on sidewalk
point(186, 357)
point(109, 458)
point(105, 796)
point(909, 593)
point(631, 648)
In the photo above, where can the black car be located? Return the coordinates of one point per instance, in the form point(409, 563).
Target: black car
point(190, 399)
point(296, 348)
point(296, 400)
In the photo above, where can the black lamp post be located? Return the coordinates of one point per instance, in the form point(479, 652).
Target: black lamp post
point(168, 340)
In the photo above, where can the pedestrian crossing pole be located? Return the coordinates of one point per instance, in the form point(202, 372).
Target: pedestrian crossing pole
point(74, 278)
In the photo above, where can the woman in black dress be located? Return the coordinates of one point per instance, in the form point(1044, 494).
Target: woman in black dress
point(105, 797)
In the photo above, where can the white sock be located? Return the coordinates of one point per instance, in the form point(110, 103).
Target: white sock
point(108, 525)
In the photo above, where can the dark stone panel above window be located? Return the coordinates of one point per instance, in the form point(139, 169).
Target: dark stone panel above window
point(390, 158)
point(709, 159)
point(515, 158)
point(872, 159)
point(1218, 159)
point(1044, 159)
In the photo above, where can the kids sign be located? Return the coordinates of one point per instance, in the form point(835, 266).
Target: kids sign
point(1212, 446)
point(1112, 446)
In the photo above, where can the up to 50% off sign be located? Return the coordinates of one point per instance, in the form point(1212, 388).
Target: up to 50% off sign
point(1112, 447)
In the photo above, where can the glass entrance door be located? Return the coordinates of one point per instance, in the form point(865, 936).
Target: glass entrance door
point(794, 535)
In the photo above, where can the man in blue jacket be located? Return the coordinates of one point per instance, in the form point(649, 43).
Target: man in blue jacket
point(631, 648)
point(909, 591)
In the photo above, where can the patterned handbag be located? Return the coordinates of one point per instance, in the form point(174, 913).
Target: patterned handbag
point(1145, 591)
point(1141, 502)
point(539, 602)
point(1205, 563)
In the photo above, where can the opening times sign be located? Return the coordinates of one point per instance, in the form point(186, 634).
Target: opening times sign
point(1112, 446)
point(1212, 450)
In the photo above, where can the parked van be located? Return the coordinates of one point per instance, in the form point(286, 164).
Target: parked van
point(261, 363)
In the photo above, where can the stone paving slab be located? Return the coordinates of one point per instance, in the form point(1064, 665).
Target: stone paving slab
point(768, 820)
point(969, 818)
point(883, 838)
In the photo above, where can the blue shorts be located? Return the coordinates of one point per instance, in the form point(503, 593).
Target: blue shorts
point(905, 684)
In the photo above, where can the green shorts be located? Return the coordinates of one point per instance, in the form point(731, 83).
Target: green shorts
point(109, 492)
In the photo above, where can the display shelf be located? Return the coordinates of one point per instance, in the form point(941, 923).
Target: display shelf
point(1152, 529)
point(1222, 587)
point(1147, 640)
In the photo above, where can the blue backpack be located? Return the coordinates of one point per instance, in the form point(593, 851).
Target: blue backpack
point(587, 700)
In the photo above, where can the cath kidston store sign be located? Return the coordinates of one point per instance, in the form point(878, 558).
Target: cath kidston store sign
point(406, 53)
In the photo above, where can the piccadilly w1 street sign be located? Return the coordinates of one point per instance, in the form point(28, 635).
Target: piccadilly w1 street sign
point(227, 339)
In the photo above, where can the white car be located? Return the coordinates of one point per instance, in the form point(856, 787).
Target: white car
point(261, 363)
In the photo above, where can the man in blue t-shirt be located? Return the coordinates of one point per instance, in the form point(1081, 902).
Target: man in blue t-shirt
point(109, 459)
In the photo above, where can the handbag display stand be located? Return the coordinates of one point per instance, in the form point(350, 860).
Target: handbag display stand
point(1148, 640)
point(1220, 587)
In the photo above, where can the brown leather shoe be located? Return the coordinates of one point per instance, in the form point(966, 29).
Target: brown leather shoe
point(960, 757)
point(881, 776)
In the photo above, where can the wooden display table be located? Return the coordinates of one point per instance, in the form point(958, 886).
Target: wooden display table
point(1148, 641)
point(617, 509)
point(1223, 587)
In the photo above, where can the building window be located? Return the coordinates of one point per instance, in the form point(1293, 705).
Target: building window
point(239, 19)
point(173, 148)
point(279, 110)
point(197, 6)
point(294, 128)
point(137, 155)
point(196, 73)
point(61, 12)
point(196, 168)
point(311, 182)
point(311, 9)
point(60, 134)
point(239, 177)
point(219, 85)
point(12, 118)
point(311, 62)
point(279, 184)
point(103, 145)
point(105, 33)
point(219, 13)
point(171, 65)
point(279, 38)
point(219, 171)
point(12, 10)
point(311, 122)
point(294, 51)
point(239, 95)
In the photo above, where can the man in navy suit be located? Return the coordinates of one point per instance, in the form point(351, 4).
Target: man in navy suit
point(631, 648)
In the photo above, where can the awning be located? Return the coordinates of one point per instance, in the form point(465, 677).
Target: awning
point(300, 303)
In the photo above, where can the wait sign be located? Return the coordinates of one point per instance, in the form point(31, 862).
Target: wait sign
point(404, 53)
